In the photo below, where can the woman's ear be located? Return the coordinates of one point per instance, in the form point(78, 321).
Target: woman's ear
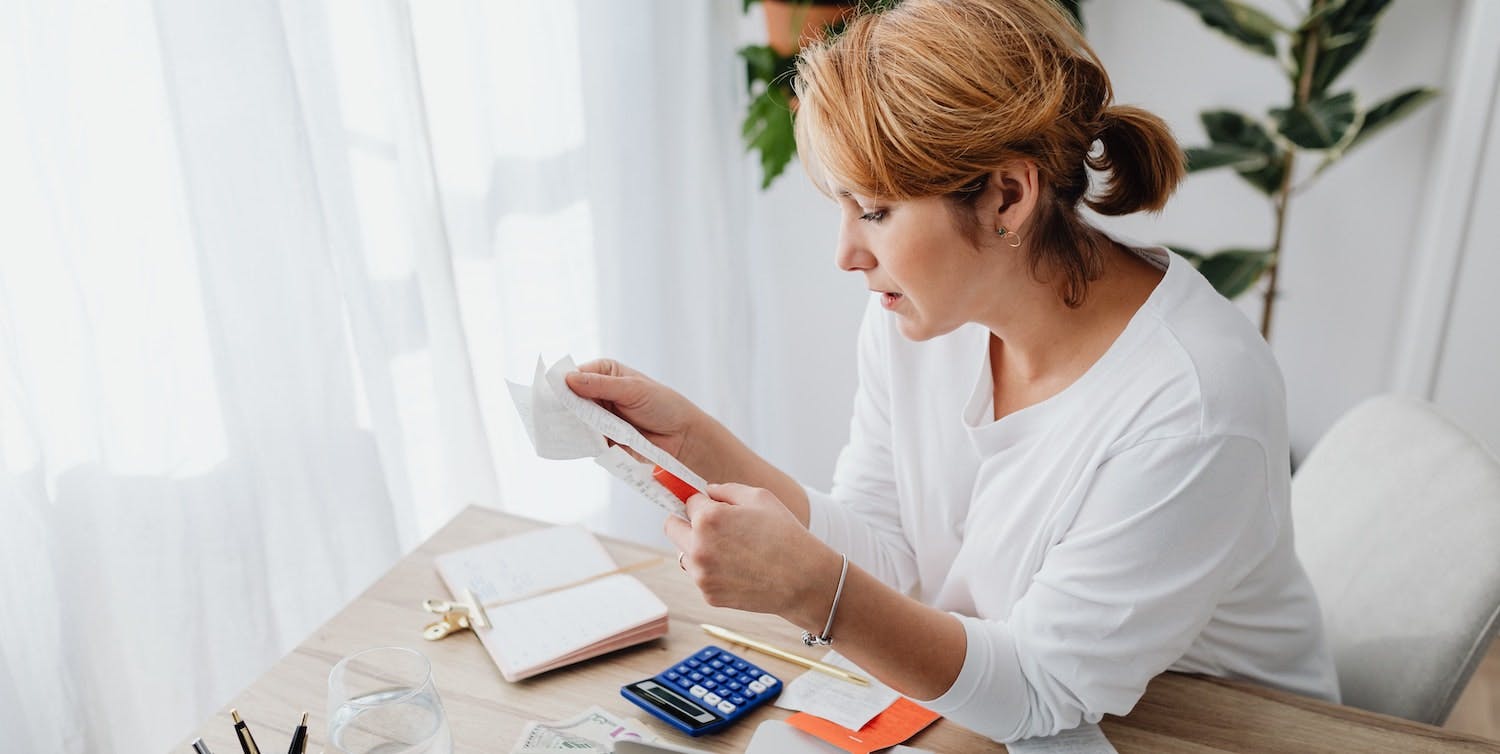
point(1011, 196)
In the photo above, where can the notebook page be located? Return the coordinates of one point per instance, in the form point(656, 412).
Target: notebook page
point(536, 631)
point(525, 563)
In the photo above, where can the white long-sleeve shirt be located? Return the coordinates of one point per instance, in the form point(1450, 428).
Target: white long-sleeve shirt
point(1133, 523)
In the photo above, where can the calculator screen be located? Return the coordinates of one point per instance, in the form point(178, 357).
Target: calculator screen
point(674, 704)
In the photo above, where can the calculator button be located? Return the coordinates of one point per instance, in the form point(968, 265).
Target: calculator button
point(741, 664)
point(767, 681)
point(756, 688)
point(706, 655)
point(721, 678)
point(672, 675)
point(710, 684)
point(694, 662)
point(698, 691)
point(736, 686)
point(751, 671)
point(717, 664)
point(726, 708)
point(684, 683)
point(712, 698)
point(696, 676)
point(683, 669)
point(737, 699)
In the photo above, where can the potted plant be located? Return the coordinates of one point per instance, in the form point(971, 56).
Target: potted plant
point(789, 25)
point(1313, 51)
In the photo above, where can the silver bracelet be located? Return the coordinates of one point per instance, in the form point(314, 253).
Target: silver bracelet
point(824, 640)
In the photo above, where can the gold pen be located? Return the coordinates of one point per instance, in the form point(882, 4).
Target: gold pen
point(796, 659)
point(242, 731)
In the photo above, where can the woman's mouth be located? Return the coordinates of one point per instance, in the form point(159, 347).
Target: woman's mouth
point(889, 300)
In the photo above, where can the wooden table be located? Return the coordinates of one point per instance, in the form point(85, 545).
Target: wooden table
point(1179, 713)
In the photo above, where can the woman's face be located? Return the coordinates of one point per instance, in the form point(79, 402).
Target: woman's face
point(928, 274)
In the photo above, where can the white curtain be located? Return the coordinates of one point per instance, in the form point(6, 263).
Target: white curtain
point(263, 267)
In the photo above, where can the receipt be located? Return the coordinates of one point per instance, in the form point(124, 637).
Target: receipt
point(562, 425)
point(834, 699)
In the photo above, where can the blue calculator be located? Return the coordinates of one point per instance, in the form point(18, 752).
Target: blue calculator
point(704, 693)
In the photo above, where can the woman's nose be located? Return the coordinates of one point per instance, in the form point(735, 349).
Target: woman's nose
point(852, 255)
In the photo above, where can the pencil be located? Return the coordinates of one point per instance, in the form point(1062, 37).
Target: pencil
point(795, 659)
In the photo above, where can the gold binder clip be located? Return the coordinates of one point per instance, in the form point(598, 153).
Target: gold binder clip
point(452, 621)
point(466, 612)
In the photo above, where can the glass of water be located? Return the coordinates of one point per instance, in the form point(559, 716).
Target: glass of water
point(382, 701)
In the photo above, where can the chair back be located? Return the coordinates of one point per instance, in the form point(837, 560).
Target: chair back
point(1397, 516)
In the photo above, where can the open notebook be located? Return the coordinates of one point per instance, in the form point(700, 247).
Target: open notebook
point(551, 630)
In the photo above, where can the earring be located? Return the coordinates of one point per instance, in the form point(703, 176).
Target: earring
point(1013, 240)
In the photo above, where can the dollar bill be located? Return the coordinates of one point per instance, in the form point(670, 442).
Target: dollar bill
point(594, 729)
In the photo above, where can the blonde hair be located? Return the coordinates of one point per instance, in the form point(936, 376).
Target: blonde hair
point(928, 98)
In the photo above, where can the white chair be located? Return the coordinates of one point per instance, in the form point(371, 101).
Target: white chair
point(1397, 515)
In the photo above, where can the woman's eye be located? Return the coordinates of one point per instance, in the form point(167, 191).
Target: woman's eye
point(874, 217)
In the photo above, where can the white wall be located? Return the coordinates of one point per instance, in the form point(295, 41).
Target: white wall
point(1453, 347)
point(808, 312)
point(1344, 276)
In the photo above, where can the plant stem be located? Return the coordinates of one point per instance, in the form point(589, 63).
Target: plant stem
point(1284, 193)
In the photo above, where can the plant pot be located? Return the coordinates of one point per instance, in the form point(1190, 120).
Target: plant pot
point(791, 24)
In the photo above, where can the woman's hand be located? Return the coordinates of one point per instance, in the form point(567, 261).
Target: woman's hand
point(745, 550)
point(667, 419)
point(676, 425)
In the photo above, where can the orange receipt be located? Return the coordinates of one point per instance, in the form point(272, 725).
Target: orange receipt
point(900, 721)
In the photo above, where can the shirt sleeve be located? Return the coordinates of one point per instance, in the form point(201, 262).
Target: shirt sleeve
point(1166, 529)
point(861, 517)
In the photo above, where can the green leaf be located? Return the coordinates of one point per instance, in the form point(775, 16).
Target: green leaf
point(765, 65)
point(1319, 124)
point(1390, 111)
point(1224, 155)
point(1313, 18)
point(760, 62)
point(1343, 29)
point(1240, 22)
point(1233, 271)
point(768, 130)
point(1226, 127)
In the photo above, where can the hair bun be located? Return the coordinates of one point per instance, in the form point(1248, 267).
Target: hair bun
point(1142, 159)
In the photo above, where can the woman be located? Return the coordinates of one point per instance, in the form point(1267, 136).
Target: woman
point(1067, 467)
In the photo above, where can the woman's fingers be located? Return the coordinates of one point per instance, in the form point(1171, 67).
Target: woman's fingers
point(680, 532)
point(605, 387)
point(699, 503)
point(607, 367)
point(734, 492)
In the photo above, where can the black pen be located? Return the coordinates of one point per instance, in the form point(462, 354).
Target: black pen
point(247, 742)
point(299, 738)
point(199, 747)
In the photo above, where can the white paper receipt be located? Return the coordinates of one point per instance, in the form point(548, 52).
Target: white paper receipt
point(563, 425)
point(832, 699)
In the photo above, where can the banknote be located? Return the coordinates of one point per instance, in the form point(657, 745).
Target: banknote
point(594, 729)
